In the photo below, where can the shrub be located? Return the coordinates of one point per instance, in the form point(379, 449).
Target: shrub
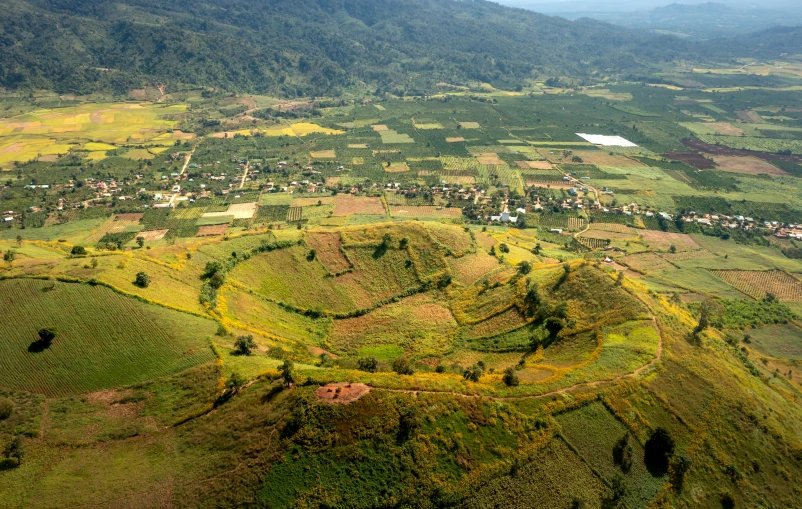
point(440, 369)
point(473, 373)
point(679, 467)
point(6, 408)
point(622, 453)
point(8, 463)
point(244, 345)
point(217, 280)
point(524, 267)
point(402, 367)
point(9, 256)
point(142, 280)
point(211, 269)
point(510, 377)
point(15, 449)
point(369, 364)
point(78, 250)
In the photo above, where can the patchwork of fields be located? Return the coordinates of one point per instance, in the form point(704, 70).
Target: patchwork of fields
point(363, 252)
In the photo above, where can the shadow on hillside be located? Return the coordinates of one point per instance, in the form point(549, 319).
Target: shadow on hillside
point(39, 346)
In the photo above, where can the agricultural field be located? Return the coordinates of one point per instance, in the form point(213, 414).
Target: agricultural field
point(324, 302)
point(133, 341)
point(760, 283)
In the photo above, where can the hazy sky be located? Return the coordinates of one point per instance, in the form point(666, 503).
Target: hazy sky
point(639, 5)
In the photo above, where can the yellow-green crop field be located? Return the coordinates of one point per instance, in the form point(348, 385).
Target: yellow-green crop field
point(92, 127)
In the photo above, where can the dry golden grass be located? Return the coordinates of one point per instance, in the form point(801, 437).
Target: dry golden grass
point(469, 268)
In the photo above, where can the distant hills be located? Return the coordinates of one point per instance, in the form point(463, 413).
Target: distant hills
point(308, 47)
point(699, 21)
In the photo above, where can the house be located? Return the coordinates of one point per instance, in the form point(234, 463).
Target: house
point(520, 210)
point(558, 231)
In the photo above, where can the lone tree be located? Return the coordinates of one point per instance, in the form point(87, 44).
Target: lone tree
point(510, 377)
point(402, 367)
point(142, 279)
point(78, 250)
point(706, 313)
point(9, 256)
point(140, 241)
point(244, 345)
point(524, 267)
point(531, 301)
point(288, 373)
point(48, 334)
point(369, 364)
point(658, 451)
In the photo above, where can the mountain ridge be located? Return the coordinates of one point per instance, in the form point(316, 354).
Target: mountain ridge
point(292, 48)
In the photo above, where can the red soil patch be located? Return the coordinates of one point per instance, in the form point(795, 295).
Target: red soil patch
point(346, 204)
point(454, 140)
point(747, 166)
point(341, 393)
point(133, 218)
point(317, 351)
point(535, 165)
point(489, 159)
point(666, 240)
point(153, 234)
point(327, 246)
point(212, 230)
point(726, 151)
point(696, 160)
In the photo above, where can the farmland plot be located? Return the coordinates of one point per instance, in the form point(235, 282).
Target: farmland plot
point(664, 240)
point(327, 245)
point(346, 204)
point(543, 483)
point(104, 339)
point(594, 431)
point(425, 211)
point(759, 283)
point(647, 262)
point(747, 166)
point(419, 324)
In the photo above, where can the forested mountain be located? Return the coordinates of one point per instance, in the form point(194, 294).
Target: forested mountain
point(303, 47)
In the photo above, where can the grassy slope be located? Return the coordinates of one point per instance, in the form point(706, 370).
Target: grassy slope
point(104, 339)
